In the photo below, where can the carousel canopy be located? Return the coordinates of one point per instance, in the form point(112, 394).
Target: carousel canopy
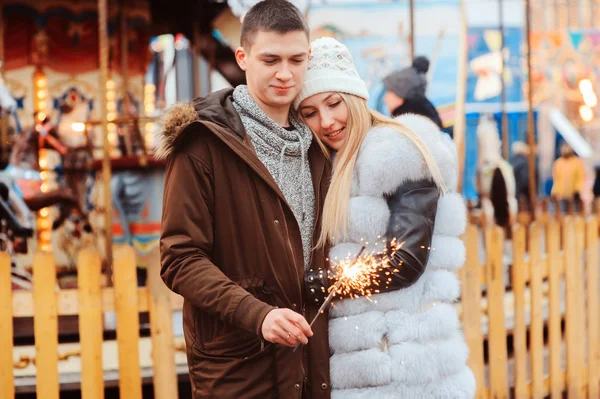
point(63, 34)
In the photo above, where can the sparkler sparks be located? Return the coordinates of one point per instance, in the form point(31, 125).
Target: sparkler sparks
point(359, 276)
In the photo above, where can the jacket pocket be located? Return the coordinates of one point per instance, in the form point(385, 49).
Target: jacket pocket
point(235, 344)
point(215, 338)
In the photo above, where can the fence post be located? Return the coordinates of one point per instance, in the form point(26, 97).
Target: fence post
point(554, 315)
point(593, 309)
point(520, 331)
point(7, 389)
point(90, 323)
point(161, 326)
point(45, 325)
point(128, 323)
point(471, 306)
point(574, 334)
point(494, 244)
point(536, 331)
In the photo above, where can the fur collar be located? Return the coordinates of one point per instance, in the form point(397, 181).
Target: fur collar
point(387, 158)
point(173, 121)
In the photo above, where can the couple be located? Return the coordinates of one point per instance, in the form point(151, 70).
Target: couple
point(263, 183)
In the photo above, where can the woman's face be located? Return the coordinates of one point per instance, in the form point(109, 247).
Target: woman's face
point(326, 114)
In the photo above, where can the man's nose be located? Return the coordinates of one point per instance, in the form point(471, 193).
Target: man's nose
point(284, 73)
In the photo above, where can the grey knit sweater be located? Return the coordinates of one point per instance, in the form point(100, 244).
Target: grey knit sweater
point(285, 155)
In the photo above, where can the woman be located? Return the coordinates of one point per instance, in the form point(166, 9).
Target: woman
point(390, 181)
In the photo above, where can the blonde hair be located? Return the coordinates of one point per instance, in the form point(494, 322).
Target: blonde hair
point(360, 120)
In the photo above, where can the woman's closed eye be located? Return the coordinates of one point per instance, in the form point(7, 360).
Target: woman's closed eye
point(308, 114)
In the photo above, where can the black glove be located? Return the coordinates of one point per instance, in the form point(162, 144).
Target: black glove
point(316, 285)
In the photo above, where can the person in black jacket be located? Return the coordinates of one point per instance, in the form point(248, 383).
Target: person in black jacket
point(520, 164)
point(405, 92)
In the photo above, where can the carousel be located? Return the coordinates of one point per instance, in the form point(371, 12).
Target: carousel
point(81, 88)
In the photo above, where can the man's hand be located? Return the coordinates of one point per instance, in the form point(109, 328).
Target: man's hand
point(285, 327)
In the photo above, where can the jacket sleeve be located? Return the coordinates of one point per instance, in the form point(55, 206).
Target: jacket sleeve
point(412, 218)
point(186, 248)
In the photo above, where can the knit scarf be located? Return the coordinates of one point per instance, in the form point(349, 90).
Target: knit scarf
point(285, 155)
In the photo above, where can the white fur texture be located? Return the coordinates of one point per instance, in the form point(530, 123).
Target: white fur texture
point(447, 252)
point(366, 331)
point(404, 343)
point(451, 217)
point(371, 367)
point(368, 217)
point(433, 286)
point(457, 386)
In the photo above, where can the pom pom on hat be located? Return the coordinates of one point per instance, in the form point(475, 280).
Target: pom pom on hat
point(409, 82)
point(331, 68)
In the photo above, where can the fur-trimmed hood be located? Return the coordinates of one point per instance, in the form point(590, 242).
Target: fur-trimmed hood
point(217, 107)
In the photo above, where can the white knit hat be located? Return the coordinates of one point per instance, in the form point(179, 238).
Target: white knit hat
point(331, 68)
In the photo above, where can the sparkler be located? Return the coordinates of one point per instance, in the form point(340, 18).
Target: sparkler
point(358, 277)
point(329, 298)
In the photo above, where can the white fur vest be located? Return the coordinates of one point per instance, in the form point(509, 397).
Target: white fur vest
point(406, 343)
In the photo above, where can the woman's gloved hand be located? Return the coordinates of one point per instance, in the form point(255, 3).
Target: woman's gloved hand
point(316, 285)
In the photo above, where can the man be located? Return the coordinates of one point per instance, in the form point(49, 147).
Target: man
point(244, 190)
point(405, 92)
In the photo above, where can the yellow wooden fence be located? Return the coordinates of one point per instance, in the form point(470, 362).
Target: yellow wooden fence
point(541, 330)
point(89, 301)
point(536, 336)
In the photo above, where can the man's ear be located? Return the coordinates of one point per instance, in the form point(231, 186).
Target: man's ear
point(241, 58)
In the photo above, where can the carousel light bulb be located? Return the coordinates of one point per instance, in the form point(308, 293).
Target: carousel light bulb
point(41, 94)
point(46, 236)
point(586, 113)
point(78, 127)
point(42, 105)
point(44, 212)
point(44, 223)
point(590, 99)
point(110, 84)
point(41, 82)
point(585, 85)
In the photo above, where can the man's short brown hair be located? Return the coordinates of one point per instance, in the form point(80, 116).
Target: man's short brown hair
point(279, 16)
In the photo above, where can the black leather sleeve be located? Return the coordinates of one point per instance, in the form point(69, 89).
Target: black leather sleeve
point(412, 218)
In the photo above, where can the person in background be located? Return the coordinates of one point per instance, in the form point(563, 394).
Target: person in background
point(568, 177)
point(405, 92)
point(520, 164)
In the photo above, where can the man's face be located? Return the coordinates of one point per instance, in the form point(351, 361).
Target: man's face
point(275, 65)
